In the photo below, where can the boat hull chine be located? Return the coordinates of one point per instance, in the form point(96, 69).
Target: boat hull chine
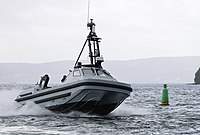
point(100, 102)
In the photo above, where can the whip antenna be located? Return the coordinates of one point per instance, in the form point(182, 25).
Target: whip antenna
point(88, 17)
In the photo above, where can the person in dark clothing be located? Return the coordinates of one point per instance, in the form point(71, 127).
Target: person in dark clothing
point(44, 81)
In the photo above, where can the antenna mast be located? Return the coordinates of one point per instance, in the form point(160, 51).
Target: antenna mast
point(93, 43)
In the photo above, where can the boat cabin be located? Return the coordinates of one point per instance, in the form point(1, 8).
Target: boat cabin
point(88, 72)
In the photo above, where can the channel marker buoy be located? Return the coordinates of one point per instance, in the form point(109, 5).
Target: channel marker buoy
point(165, 98)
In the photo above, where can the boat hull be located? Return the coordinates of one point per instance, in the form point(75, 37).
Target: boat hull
point(88, 96)
point(92, 101)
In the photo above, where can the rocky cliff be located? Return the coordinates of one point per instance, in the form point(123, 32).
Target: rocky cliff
point(197, 77)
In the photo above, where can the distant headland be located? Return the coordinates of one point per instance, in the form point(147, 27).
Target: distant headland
point(149, 70)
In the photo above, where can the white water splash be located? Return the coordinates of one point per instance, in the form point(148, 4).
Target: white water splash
point(124, 110)
point(8, 107)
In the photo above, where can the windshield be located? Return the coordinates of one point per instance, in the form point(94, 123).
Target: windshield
point(88, 72)
point(77, 73)
point(103, 73)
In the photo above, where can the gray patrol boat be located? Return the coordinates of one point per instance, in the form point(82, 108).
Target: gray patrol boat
point(88, 88)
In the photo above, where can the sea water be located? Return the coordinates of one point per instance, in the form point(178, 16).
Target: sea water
point(139, 114)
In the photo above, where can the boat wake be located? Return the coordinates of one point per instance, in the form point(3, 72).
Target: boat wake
point(127, 110)
point(8, 107)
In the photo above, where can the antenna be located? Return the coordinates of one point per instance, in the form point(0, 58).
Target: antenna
point(88, 17)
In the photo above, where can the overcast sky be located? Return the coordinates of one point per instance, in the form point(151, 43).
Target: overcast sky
point(51, 30)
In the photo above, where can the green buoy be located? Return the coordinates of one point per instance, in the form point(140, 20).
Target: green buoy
point(165, 98)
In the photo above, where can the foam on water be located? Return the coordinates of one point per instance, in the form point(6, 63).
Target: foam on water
point(124, 110)
point(8, 107)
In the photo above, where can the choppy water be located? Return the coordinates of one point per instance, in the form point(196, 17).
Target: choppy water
point(140, 114)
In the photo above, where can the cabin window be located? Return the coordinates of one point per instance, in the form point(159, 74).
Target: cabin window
point(88, 72)
point(76, 73)
point(102, 73)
